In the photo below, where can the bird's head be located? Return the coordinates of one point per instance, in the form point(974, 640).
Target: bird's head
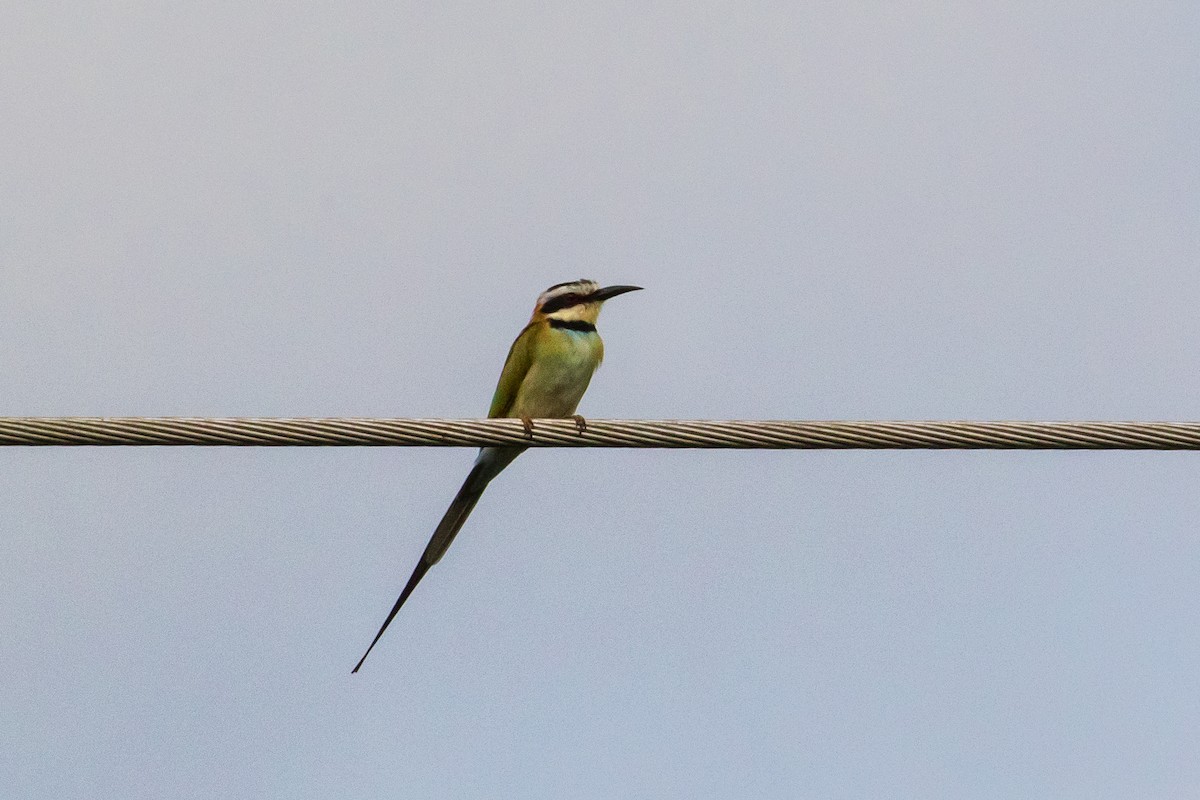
point(576, 301)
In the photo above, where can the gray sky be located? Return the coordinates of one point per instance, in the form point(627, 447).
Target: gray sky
point(863, 211)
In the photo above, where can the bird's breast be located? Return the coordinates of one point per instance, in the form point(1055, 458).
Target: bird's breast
point(560, 373)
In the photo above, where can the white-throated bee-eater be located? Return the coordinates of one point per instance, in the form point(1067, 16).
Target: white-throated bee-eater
point(548, 369)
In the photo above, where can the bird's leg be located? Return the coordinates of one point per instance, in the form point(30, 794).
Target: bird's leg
point(580, 423)
point(527, 424)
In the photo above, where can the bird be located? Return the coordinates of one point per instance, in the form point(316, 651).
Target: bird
point(545, 375)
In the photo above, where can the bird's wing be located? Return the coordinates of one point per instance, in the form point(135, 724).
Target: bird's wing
point(516, 367)
point(489, 464)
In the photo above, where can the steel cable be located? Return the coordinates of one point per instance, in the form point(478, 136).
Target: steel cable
point(738, 434)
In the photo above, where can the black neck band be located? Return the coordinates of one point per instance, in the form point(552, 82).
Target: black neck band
point(573, 325)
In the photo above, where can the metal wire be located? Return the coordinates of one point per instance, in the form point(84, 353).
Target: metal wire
point(739, 434)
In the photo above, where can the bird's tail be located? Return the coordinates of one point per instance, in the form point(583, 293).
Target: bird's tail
point(489, 464)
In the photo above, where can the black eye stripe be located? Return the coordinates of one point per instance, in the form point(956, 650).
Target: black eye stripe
point(561, 302)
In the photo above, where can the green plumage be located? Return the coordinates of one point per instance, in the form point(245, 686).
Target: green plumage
point(547, 371)
point(520, 355)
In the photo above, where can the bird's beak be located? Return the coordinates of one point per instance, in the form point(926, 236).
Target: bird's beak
point(609, 292)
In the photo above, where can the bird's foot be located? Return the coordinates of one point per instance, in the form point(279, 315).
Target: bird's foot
point(527, 424)
point(580, 423)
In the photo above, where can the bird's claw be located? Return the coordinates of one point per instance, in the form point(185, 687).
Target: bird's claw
point(580, 423)
point(527, 424)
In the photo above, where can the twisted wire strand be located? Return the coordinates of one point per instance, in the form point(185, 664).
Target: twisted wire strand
point(738, 434)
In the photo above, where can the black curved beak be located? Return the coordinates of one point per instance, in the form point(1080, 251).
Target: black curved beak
point(609, 292)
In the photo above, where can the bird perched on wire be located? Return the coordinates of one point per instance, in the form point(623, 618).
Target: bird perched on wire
point(547, 371)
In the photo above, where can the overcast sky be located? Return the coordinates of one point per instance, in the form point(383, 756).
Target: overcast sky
point(862, 211)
